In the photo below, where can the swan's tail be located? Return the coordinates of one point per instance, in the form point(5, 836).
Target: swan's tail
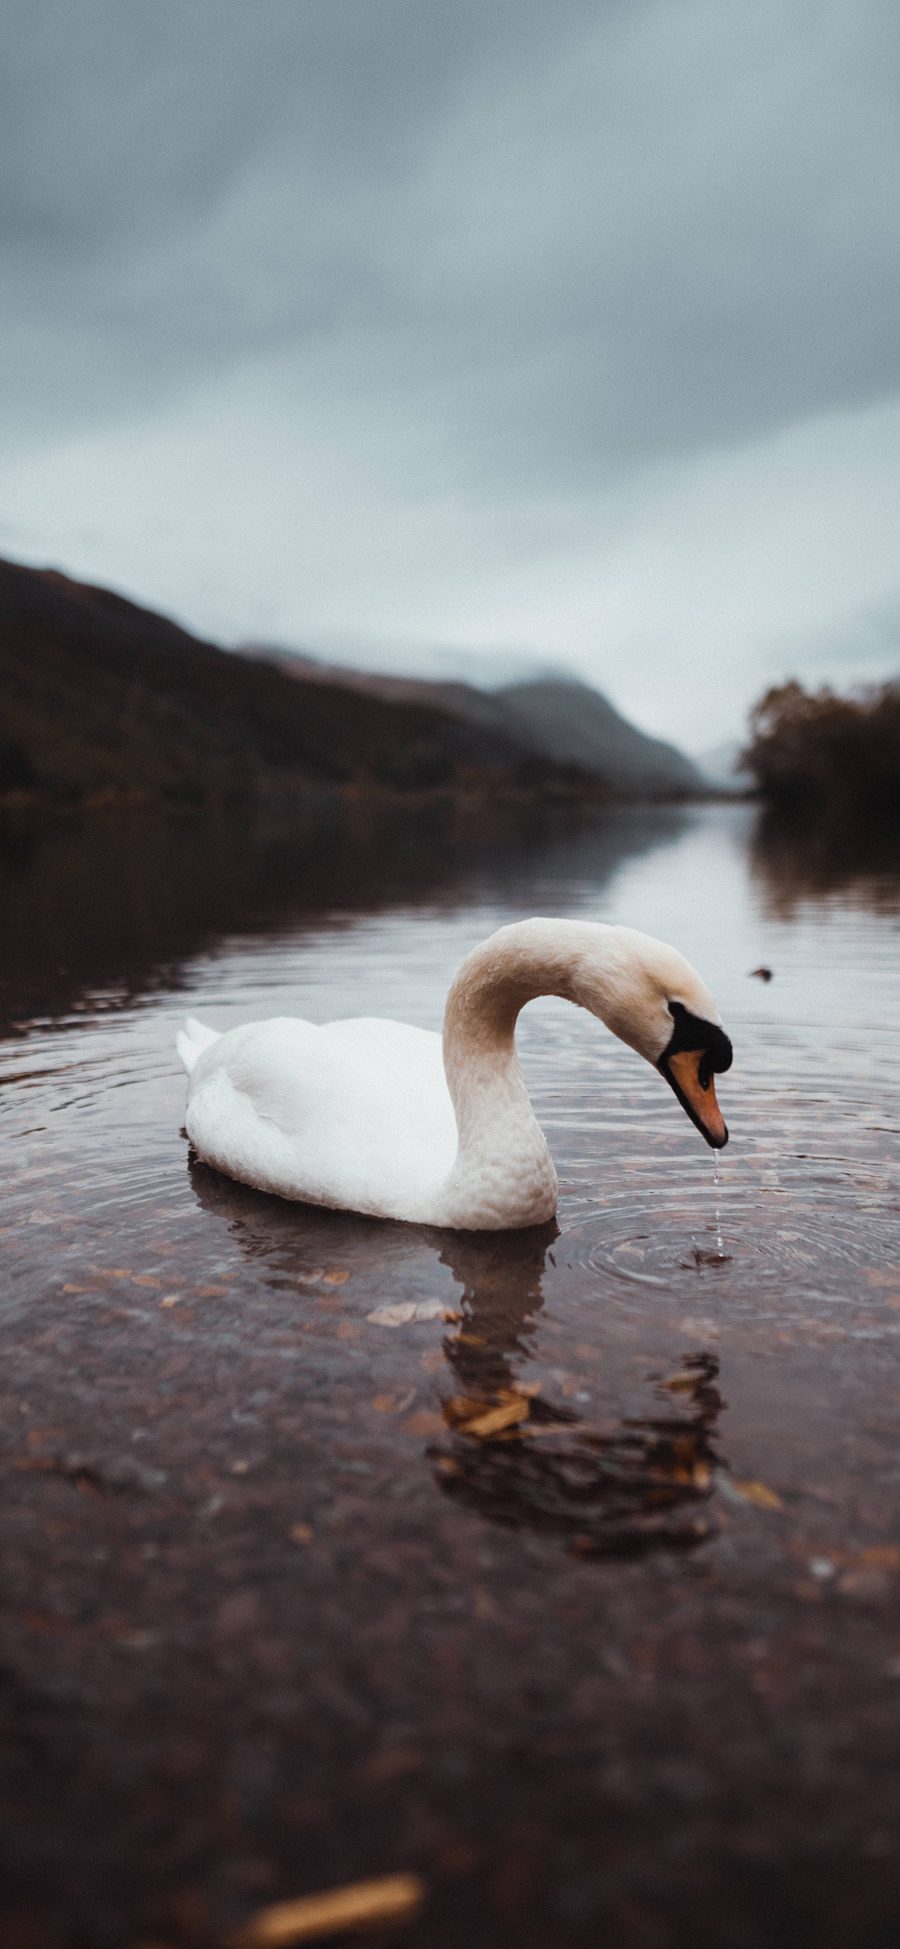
point(192, 1040)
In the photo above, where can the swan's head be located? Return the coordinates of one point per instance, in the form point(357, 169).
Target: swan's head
point(652, 998)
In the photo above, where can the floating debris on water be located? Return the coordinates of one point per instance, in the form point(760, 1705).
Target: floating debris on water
point(700, 1256)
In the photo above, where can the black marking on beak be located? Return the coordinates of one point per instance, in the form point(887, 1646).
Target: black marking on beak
point(691, 1033)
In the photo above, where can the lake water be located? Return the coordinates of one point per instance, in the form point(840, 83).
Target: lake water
point(561, 1568)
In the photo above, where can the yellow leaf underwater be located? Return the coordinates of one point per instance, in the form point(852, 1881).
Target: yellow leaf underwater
point(494, 1420)
point(759, 1494)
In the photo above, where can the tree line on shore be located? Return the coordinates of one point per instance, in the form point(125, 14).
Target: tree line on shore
point(815, 753)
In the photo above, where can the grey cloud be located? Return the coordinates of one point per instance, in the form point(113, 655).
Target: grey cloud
point(568, 240)
point(860, 647)
point(186, 185)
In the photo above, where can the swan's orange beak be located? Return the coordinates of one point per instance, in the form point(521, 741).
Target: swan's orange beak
point(690, 1073)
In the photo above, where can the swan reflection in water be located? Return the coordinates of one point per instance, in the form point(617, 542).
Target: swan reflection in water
point(521, 1459)
point(613, 1489)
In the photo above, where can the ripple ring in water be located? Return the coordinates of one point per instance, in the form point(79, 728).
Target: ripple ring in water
point(774, 1236)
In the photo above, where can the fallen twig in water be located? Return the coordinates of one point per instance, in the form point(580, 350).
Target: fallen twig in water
point(360, 1905)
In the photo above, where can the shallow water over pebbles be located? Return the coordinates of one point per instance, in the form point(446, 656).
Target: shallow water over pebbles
point(378, 1548)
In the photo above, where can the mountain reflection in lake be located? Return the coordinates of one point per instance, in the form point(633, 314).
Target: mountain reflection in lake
point(562, 1567)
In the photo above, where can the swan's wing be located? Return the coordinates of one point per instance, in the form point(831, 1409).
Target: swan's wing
point(353, 1113)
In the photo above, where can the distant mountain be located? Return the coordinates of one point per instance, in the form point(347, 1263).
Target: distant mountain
point(421, 660)
point(104, 699)
point(721, 765)
point(101, 698)
point(558, 719)
point(569, 722)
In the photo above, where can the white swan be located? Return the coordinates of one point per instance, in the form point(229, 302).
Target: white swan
point(377, 1117)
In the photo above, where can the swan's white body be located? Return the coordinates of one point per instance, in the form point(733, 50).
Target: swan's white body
point(353, 1113)
point(377, 1117)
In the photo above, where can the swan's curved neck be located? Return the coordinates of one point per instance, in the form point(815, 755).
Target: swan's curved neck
point(494, 1117)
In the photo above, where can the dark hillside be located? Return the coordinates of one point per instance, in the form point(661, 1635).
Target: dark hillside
point(103, 698)
point(559, 720)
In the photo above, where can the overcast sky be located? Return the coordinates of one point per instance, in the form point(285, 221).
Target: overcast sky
point(500, 325)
